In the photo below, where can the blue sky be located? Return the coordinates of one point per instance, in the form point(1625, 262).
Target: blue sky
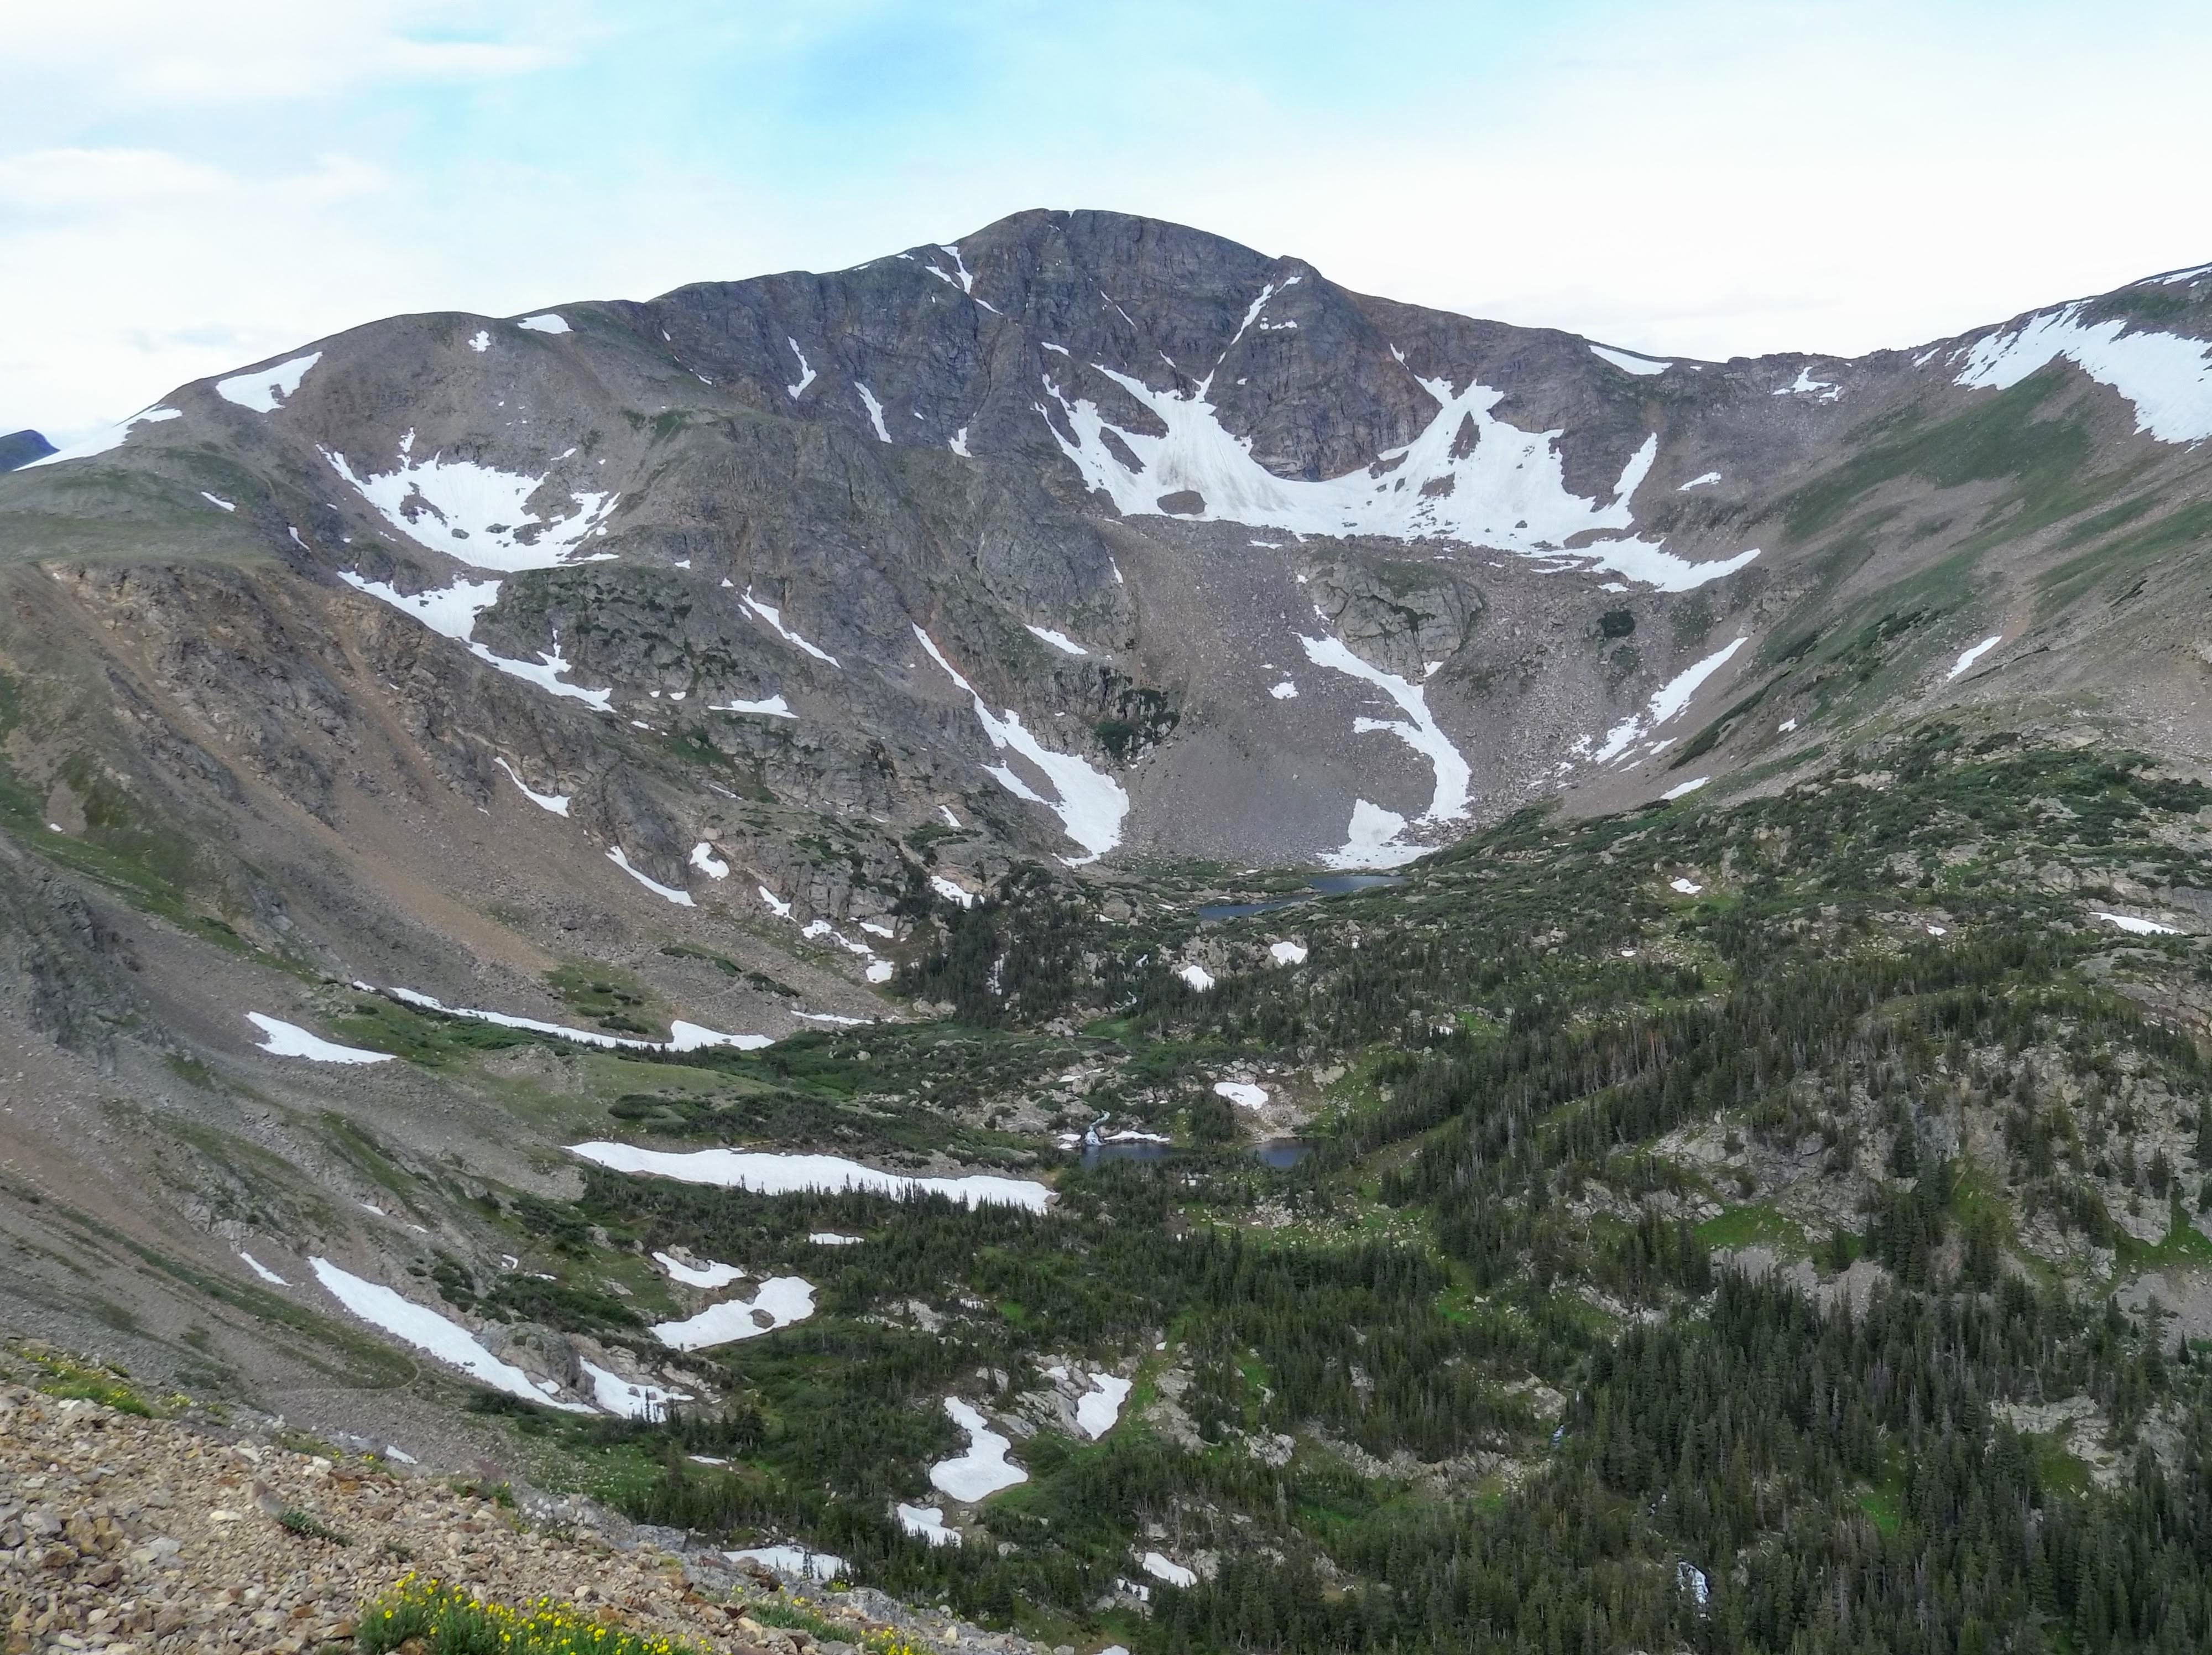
point(184, 190)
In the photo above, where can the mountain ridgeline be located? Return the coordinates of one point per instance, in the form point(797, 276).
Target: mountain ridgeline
point(1080, 927)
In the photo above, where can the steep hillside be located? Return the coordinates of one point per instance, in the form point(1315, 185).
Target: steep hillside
point(1240, 942)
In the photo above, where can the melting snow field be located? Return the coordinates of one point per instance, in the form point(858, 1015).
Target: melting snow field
point(1418, 730)
point(1288, 953)
point(283, 1039)
point(666, 892)
point(1097, 1411)
point(951, 892)
point(549, 322)
point(1972, 656)
point(1629, 363)
point(773, 616)
point(2140, 928)
point(1506, 489)
point(1669, 700)
point(2167, 377)
point(484, 513)
point(794, 1561)
point(1059, 640)
point(780, 1301)
point(984, 1469)
point(427, 1330)
point(1703, 480)
point(626, 1399)
point(774, 707)
point(1373, 841)
point(1684, 789)
point(704, 859)
point(264, 1271)
point(1242, 1093)
point(1091, 805)
point(557, 803)
point(1163, 1567)
point(831, 1238)
point(101, 441)
point(451, 611)
point(927, 1523)
point(713, 1275)
point(266, 389)
point(766, 1173)
point(682, 1036)
point(1197, 976)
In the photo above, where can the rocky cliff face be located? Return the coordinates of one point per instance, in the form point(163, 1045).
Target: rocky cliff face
point(688, 656)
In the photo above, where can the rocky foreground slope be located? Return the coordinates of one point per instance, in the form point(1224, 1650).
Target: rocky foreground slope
point(124, 1533)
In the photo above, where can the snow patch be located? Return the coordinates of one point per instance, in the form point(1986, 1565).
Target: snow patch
point(1242, 1093)
point(264, 1271)
point(2167, 377)
point(101, 441)
point(951, 892)
point(427, 1330)
point(1373, 840)
point(628, 1399)
point(1419, 730)
point(1288, 953)
point(267, 389)
point(766, 1173)
point(875, 412)
point(1688, 887)
point(1972, 656)
point(831, 1238)
point(772, 614)
point(1197, 976)
point(1670, 699)
point(1091, 805)
point(682, 1036)
point(486, 513)
point(774, 707)
point(927, 1523)
point(704, 859)
point(1684, 789)
point(1162, 1567)
point(1628, 363)
point(1805, 385)
point(712, 1276)
point(557, 803)
point(1059, 640)
point(1506, 490)
point(780, 1301)
point(480, 342)
point(544, 322)
point(795, 1560)
point(666, 893)
point(984, 1469)
point(1287, 690)
point(1096, 1414)
point(1703, 480)
point(289, 1040)
point(218, 501)
point(2140, 928)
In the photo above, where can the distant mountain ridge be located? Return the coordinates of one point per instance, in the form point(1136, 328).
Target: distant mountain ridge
point(22, 448)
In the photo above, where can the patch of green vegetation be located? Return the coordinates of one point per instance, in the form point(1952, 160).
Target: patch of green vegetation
point(63, 1375)
point(1756, 1225)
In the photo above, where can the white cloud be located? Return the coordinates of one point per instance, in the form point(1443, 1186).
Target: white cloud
point(123, 54)
point(218, 185)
